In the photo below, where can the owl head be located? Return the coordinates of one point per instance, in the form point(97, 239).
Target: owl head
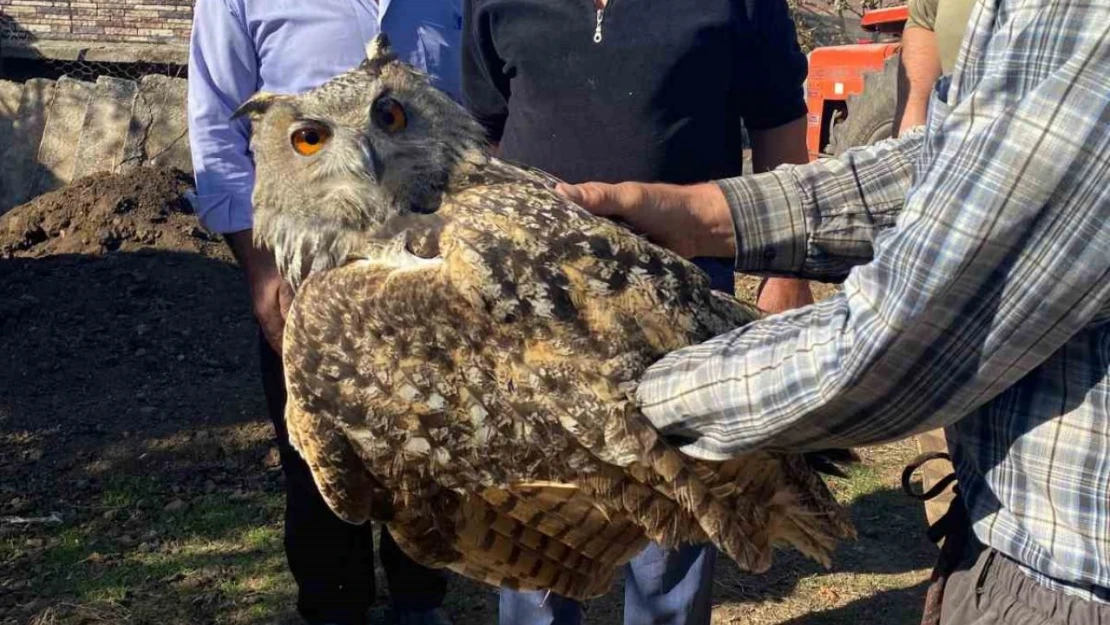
point(337, 163)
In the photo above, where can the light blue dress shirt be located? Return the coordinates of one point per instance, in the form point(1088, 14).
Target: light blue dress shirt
point(239, 47)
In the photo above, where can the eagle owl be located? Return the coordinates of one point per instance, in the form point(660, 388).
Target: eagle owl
point(463, 346)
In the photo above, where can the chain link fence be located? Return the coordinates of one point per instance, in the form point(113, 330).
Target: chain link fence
point(20, 62)
point(20, 69)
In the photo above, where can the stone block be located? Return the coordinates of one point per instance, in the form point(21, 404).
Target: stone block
point(64, 120)
point(19, 167)
point(159, 133)
point(106, 126)
point(10, 94)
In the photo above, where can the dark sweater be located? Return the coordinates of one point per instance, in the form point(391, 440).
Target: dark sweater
point(660, 98)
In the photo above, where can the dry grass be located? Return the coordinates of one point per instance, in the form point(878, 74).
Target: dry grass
point(220, 560)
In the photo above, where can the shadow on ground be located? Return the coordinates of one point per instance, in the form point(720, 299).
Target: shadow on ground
point(891, 540)
point(106, 358)
point(876, 579)
point(902, 606)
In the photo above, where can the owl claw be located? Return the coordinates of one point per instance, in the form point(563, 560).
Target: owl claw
point(628, 389)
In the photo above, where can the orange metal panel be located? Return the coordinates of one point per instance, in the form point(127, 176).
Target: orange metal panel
point(836, 72)
point(878, 17)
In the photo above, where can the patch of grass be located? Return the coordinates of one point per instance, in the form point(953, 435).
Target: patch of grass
point(69, 546)
point(173, 545)
point(863, 479)
point(221, 551)
point(126, 559)
point(127, 491)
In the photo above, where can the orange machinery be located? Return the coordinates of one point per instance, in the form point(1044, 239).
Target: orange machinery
point(851, 90)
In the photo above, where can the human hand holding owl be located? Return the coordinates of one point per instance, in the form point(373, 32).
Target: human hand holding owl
point(689, 220)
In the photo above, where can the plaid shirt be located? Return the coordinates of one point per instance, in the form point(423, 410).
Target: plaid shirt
point(975, 255)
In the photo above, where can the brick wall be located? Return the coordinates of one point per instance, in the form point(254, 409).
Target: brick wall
point(126, 21)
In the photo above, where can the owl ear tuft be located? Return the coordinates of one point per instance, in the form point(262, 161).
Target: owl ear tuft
point(256, 106)
point(378, 53)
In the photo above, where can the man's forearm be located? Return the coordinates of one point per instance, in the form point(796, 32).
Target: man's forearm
point(242, 246)
point(919, 67)
point(810, 221)
point(772, 147)
point(271, 296)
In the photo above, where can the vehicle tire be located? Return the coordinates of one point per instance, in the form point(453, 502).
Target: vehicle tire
point(870, 117)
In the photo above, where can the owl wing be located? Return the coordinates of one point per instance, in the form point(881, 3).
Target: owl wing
point(487, 390)
point(606, 304)
point(397, 384)
point(342, 479)
point(503, 171)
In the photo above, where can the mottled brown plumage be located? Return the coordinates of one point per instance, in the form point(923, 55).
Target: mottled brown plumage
point(462, 365)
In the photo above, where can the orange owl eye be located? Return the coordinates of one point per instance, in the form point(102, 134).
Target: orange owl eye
point(310, 139)
point(389, 115)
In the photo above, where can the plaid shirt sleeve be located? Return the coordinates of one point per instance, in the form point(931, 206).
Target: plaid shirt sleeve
point(819, 220)
point(996, 258)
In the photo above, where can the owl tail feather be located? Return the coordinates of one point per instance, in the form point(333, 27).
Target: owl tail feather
point(542, 538)
point(752, 504)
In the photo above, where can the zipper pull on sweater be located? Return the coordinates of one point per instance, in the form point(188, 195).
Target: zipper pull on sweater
point(597, 30)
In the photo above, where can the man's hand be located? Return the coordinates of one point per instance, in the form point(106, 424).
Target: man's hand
point(691, 221)
point(270, 295)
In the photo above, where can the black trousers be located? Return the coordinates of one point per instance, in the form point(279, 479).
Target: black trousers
point(331, 560)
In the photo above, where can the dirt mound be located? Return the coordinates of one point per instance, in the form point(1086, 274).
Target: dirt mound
point(144, 208)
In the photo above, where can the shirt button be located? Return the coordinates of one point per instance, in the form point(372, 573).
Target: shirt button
point(769, 254)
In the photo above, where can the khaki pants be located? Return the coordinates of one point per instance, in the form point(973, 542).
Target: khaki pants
point(990, 589)
point(935, 471)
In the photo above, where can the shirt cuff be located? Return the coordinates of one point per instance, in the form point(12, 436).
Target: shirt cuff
point(224, 213)
point(769, 223)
